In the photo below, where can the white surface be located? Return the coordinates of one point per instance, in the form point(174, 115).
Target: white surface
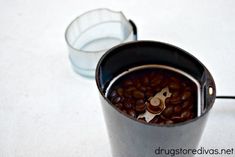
point(46, 110)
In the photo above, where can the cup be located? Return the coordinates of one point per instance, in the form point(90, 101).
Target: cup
point(132, 138)
point(93, 33)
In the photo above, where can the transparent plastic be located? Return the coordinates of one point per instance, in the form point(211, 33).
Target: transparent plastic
point(90, 35)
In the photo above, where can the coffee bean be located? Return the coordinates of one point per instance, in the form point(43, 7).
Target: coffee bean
point(187, 88)
point(162, 117)
point(168, 101)
point(190, 108)
point(155, 119)
point(145, 81)
point(177, 109)
point(130, 89)
point(158, 89)
point(116, 99)
point(186, 104)
point(128, 83)
point(174, 86)
point(120, 91)
point(164, 83)
point(176, 94)
point(156, 81)
point(149, 93)
point(113, 94)
point(185, 114)
point(128, 94)
point(138, 85)
point(177, 119)
point(124, 111)
point(186, 95)
point(174, 79)
point(139, 101)
point(119, 105)
point(138, 94)
point(142, 89)
point(175, 100)
point(128, 103)
point(140, 106)
point(167, 112)
point(132, 113)
point(169, 122)
point(192, 115)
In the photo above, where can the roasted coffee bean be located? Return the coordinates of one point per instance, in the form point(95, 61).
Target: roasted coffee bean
point(187, 88)
point(151, 75)
point(119, 105)
point(130, 89)
point(145, 81)
point(138, 85)
point(128, 94)
point(131, 112)
point(186, 104)
point(167, 112)
point(128, 83)
point(192, 114)
point(169, 122)
point(177, 109)
point(185, 114)
point(116, 100)
point(186, 95)
point(128, 103)
point(142, 89)
point(120, 91)
point(124, 111)
point(155, 119)
point(139, 101)
point(177, 119)
point(163, 118)
point(168, 101)
point(175, 100)
point(164, 83)
point(140, 106)
point(138, 94)
point(175, 94)
point(149, 93)
point(156, 81)
point(174, 79)
point(158, 89)
point(174, 85)
point(113, 94)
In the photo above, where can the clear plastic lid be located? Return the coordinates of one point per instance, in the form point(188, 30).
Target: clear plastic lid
point(90, 35)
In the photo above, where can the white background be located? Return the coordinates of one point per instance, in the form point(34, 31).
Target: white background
point(46, 110)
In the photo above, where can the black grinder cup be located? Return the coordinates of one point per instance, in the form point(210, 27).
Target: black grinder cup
point(132, 138)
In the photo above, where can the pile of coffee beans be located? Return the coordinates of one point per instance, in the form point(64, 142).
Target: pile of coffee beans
point(131, 93)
